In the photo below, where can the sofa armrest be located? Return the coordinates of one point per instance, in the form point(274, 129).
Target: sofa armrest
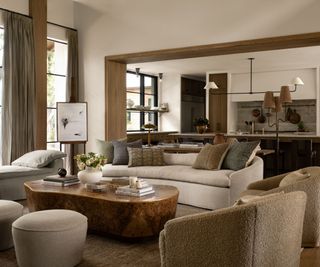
point(268, 183)
point(239, 180)
point(201, 239)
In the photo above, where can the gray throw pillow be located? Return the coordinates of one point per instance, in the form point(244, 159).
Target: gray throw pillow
point(105, 148)
point(238, 155)
point(121, 156)
point(38, 158)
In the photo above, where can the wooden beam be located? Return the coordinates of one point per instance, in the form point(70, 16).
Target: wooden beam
point(38, 11)
point(263, 44)
point(115, 100)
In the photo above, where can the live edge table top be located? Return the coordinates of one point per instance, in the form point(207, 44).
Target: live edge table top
point(108, 212)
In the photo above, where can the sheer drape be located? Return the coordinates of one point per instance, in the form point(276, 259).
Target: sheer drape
point(18, 99)
point(72, 92)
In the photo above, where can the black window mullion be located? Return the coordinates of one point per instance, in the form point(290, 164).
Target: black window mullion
point(142, 100)
point(155, 100)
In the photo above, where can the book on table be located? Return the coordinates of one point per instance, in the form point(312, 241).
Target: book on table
point(146, 189)
point(132, 194)
point(61, 181)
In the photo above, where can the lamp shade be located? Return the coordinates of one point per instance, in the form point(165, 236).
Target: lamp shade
point(297, 81)
point(211, 85)
point(278, 105)
point(268, 101)
point(285, 95)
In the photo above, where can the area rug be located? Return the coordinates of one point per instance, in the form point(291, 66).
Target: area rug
point(103, 251)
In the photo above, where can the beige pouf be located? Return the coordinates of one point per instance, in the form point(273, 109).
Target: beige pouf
point(9, 212)
point(51, 238)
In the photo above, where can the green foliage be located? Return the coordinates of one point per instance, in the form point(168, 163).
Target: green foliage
point(91, 159)
point(200, 121)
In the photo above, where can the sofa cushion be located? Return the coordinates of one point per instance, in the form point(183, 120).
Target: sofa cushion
point(211, 157)
point(121, 155)
point(219, 178)
point(105, 148)
point(186, 159)
point(294, 177)
point(145, 157)
point(238, 155)
point(38, 158)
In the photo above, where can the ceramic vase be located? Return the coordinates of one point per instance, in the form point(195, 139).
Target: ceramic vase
point(201, 128)
point(90, 175)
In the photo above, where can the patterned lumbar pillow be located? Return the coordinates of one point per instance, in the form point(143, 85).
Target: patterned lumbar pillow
point(145, 157)
point(238, 155)
point(211, 157)
point(121, 156)
point(294, 177)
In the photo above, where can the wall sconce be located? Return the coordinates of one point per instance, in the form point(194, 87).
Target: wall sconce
point(160, 77)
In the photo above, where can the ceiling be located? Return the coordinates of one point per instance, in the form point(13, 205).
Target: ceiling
point(294, 58)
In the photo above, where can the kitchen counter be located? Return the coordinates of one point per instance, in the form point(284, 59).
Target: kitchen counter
point(284, 136)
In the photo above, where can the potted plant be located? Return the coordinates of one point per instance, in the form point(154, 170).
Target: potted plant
point(201, 124)
point(301, 126)
point(90, 167)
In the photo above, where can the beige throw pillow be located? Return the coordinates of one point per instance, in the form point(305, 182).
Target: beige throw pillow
point(211, 157)
point(253, 198)
point(294, 177)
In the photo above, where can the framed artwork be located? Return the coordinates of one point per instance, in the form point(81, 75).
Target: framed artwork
point(72, 122)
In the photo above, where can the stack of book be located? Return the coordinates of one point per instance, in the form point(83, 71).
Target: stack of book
point(145, 190)
point(61, 181)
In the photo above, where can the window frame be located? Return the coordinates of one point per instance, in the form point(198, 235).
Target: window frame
point(142, 99)
point(55, 75)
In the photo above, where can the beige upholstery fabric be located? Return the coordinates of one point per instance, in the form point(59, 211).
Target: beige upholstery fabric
point(53, 237)
point(251, 198)
point(211, 157)
point(9, 212)
point(311, 186)
point(260, 234)
point(186, 159)
point(294, 177)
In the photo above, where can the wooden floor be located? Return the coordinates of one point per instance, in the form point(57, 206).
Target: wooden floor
point(310, 257)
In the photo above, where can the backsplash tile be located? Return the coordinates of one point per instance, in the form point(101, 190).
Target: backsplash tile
point(305, 108)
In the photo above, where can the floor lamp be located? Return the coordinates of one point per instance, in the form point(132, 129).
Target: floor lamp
point(274, 103)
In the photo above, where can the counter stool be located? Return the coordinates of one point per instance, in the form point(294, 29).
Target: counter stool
point(9, 212)
point(51, 238)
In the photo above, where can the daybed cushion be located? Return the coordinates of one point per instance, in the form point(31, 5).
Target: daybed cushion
point(219, 178)
point(38, 158)
point(8, 171)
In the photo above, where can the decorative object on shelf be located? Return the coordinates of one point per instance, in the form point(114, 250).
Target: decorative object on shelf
point(211, 85)
point(274, 103)
point(72, 122)
point(219, 139)
point(137, 72)
point(130, 103)
point(62, 172)
point(261, 118)
point(201, 124)
point(90, 167)
point(150, 127)
point(164, 107)
point(301, 127)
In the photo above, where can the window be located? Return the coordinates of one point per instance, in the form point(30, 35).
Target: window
point(142, 90)
point(1, 78)
point(56, 86)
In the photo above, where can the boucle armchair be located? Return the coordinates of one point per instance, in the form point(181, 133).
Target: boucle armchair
point(311, 186)
point(266, 232)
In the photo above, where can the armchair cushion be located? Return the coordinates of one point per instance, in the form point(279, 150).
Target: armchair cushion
point(251, 198)
point(294, 177)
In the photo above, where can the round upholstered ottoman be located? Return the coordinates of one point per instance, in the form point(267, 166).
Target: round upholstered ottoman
point(9, 212)
point(51, 238)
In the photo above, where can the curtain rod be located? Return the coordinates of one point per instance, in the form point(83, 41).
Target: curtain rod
point(55, 24)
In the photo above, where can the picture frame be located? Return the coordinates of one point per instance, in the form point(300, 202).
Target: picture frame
point(72, 122)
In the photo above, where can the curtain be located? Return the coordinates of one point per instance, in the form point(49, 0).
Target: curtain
point(18, 97)
point(72, 92)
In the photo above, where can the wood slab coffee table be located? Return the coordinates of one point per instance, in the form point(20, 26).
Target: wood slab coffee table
point(107, 212)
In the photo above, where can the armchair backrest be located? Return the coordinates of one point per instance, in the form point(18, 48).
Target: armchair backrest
point(262, 233)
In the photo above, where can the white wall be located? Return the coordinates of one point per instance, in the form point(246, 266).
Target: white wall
point(130, 26)
point(21, 6)
point(170, 92)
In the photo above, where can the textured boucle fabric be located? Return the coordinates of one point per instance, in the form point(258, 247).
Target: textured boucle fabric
point(264, 233)
point(145, 157)
point(311, 186)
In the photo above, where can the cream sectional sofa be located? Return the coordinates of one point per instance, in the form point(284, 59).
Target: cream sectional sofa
point(201, 188)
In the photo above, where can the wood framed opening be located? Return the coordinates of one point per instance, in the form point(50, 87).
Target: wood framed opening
point(115, 69)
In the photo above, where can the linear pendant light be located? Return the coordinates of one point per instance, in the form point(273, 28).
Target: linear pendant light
point(212, 85)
